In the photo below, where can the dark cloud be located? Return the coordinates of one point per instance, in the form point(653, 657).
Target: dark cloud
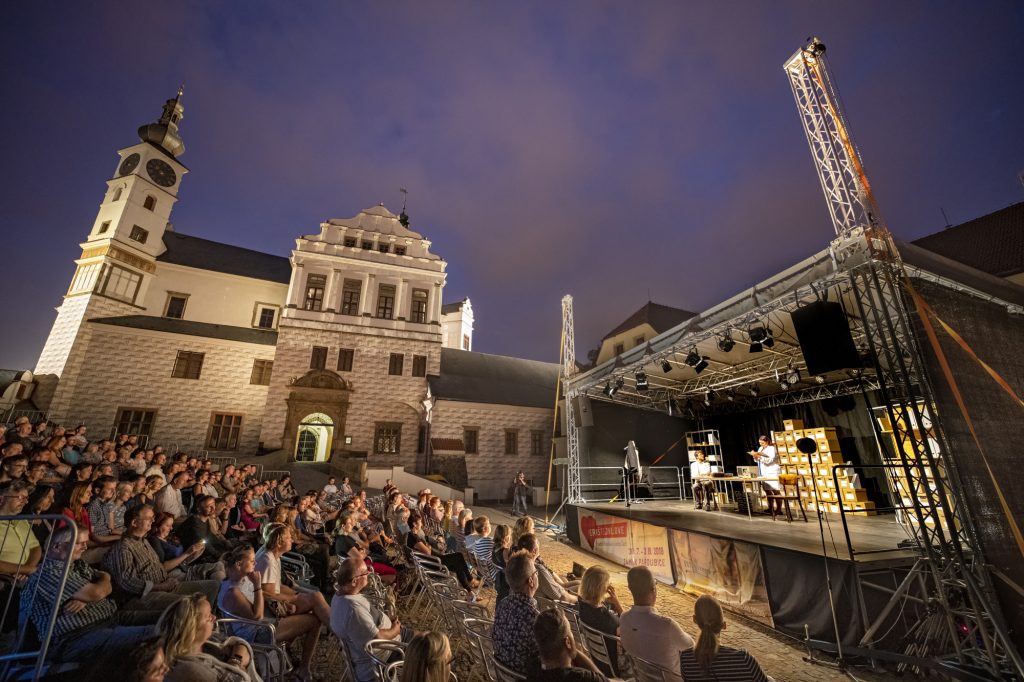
point(615, 151)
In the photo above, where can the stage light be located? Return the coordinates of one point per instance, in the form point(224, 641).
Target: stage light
point(710, 396)
point(755, 391)
point(760, 338)
point(730, 395)
point(666, 366)
point(608, 390)
point(793, 376)
point(641, 380)
point(725, 343)
point(619, 383)
point(820, 379)
point(696, 360)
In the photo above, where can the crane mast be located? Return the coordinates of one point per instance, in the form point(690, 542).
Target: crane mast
point(965, 626)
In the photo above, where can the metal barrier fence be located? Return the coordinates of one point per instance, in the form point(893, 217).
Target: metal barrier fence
point(668, 480)
point(33, 416)
point(600, 484)
point(273, 473)
point(221, 462)
point(25, 657)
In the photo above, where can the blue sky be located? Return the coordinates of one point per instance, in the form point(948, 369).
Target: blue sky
point(610, 150)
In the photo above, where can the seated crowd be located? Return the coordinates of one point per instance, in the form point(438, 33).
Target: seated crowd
point(156, 547)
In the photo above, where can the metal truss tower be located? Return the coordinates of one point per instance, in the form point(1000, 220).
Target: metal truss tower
point(574, 493)
point(964, 627)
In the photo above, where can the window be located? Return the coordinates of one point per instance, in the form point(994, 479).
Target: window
point(224, 431)
point(387, 439)
point(350, 241)
point(117, 194)
point(350, 297)
point(261, 370)
point(85, 278)
point(135, 420)
point(470, 437)
point(119, 283)
point(620, 349)
point(175, 307)
point(511, 442)
point(465, 342)
point(419, 365)
point(318, 358)
point(138, 234)
point(384, 248)
point(265, 317)
point(419, 306)
point(367, 246)
point(386, 301)
point(314, 292)
point(149, 203)
point(399, 250)
point(188, 365)
point(345, 357)
point(536, 443)
point(104, 226)
point(638, 341)
point(395, 364)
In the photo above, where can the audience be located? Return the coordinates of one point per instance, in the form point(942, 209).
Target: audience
point(646, 633)
point(500, 557)
point(19, 548)
point(710, 662)
point(550, 585)
point(428, 658)
point(268, 563)
point(599, 608)
point(185, 631)
point(169, 498)
point(512, 634)
point(560, 659)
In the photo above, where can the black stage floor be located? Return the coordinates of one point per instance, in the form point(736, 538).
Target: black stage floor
point(874, 538)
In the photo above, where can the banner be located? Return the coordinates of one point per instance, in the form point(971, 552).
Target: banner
point(729, 570)
point(626, 542)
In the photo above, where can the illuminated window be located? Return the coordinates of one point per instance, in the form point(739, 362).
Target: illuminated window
point(387, 439)
point(314, 299)
point(419, 306)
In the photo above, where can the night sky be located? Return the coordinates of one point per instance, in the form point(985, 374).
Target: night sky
point(615, 151)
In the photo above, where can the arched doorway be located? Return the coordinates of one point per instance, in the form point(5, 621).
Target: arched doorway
point(314, 438)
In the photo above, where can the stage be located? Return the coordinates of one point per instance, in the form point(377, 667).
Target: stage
point(770, 571)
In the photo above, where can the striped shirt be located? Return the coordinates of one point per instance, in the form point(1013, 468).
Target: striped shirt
point(483, 549)
point(38, 605)
point(134, 567)
point(730, 665)
point(99, 516)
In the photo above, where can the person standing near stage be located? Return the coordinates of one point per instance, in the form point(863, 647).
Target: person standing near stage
point(767, 459)
point(519, 488)
point(700, 479)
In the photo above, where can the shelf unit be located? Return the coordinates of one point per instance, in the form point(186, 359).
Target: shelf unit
point(706, 441)
point(897, 474)
point(816, 469)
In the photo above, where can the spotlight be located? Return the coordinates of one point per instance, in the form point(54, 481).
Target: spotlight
point(609, 390)
point(755, 391)
point(666, 366)
point(710, 396)
point(793, 376)
point(696, 360)
point(619, 383)
point(725, 343)
point(641, 380)
point(820, 379)
point(760, 338)
point(783, 380)
point(730, 395)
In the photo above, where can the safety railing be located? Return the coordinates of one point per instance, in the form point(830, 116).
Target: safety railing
point(601, 484)
point(662, 483)
point(11, 415)
point(221, 462)
point(275, 474)
point(25, 657)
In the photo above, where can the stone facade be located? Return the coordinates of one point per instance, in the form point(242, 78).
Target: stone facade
point(491, 470)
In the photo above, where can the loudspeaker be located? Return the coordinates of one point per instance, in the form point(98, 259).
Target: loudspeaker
point(585, 411)
point(825, 338)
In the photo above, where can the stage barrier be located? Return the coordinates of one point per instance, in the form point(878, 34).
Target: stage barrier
point(600, 484)
point(627, 543)
point(663, 483)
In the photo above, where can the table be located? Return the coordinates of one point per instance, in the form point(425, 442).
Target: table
point(727, 482)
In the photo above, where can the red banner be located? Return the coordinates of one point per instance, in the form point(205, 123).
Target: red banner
point(627, 543)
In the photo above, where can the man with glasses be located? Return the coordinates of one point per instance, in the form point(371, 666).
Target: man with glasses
point(19, 548)
point(355, 621)
point(514, 618)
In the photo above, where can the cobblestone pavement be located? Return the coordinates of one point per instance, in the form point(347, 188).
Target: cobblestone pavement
point(781, 657)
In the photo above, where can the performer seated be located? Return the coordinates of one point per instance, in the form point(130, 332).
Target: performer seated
point(700, 479)
point(768, 467)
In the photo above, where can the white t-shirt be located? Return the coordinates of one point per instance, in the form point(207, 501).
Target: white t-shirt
point(700, 470)
point(330, 489)
point(269, 567)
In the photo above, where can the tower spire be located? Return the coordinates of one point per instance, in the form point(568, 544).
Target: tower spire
point(164, 133)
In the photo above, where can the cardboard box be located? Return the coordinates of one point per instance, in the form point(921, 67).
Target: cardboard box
point(792, 424)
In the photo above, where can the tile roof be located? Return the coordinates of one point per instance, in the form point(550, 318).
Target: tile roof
point(993, 243)
point(496, 379)
point(196, 252)
point(208, 330)
point(661, 317)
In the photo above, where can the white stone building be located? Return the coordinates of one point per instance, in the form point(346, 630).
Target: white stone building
point(203, 345)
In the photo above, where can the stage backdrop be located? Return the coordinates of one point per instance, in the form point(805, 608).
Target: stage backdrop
point(626, 542)
point(726, 569)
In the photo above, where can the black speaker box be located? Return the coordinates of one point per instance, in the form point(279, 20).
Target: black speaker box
point(825, 338)
point(584, 411)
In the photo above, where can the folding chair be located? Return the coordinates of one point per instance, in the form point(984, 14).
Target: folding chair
point(646, 671)
point(479, 632)
point(269, 656)
point(597, 645)
point(383, 652)
point(504, 674)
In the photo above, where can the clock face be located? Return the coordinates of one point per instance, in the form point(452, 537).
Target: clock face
point(161, 172)
point(129, 164)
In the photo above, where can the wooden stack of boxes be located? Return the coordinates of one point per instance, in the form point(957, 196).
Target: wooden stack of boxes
point(902, 490)
point(816, 470)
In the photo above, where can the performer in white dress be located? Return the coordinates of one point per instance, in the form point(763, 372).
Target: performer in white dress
point(767, 459)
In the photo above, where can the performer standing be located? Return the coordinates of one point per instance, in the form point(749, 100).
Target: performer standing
point(519, 488)
point(700, 478)
point(768, 467)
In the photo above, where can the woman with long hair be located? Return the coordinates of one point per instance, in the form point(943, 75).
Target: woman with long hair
point(185, 629)
point(708, 661)
point(40, 500)
point(54, 450)
point(524, 526)
point(277, 541)
point(428, 658)
point(502, 553)
point(79, 497)
point(599, 608)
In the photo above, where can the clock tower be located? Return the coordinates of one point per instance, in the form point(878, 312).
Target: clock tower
point(119, 254)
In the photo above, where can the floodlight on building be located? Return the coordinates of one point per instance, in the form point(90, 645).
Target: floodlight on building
point(725, 342)
point(696, 360)
point(666, 366)
point(641, 380)
point(760, 338)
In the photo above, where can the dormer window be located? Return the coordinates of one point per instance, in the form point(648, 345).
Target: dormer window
point(399, 250)
point(367, 246)
point(138, 234)
point(384, 248)
point(351, 242)
point(150, 203)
